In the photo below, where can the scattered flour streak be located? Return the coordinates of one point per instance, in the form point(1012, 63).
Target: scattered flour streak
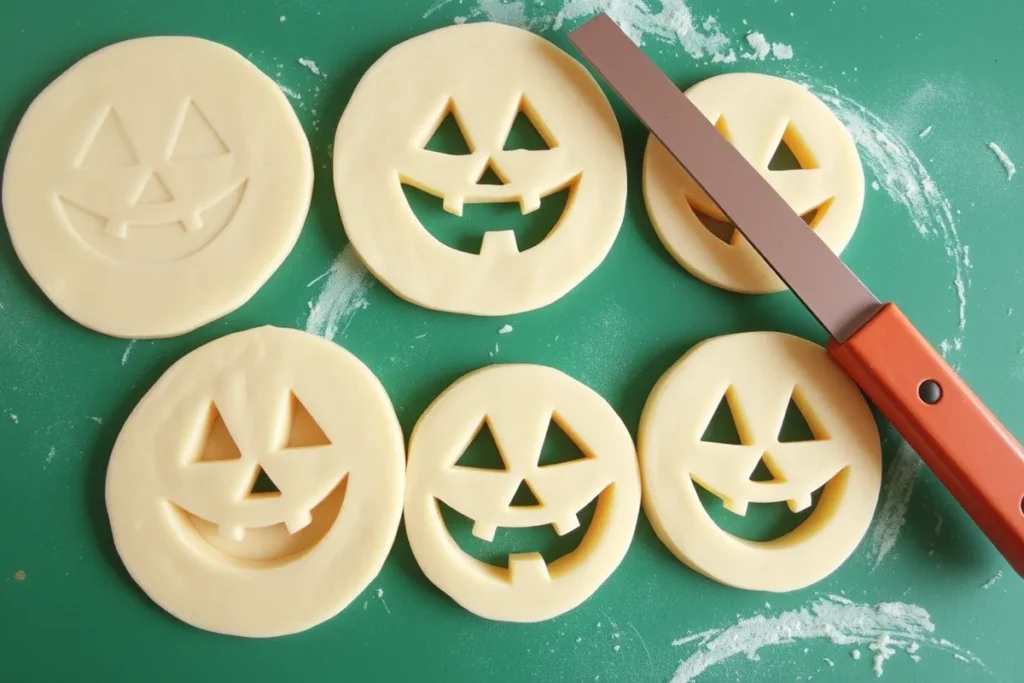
point(127, 351)
point(312, 66)
point(289, 92)
point(885, 628)
point(1004, 159)
point(342, 295)
point(991, 582)
point(907, 182)
point(668, 21)
point(899, 488)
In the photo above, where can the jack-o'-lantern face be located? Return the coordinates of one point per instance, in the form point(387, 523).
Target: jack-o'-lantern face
point(758, 377)
point(518, 404)
point(483, 80)
point(155, 185)
point(250, 475)
point(153, 181)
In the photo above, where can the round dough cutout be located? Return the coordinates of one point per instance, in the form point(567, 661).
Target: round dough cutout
point(256, 489)
point(756, 113)
point(518, 404)
point(156, 185)
point(758, 374)
point(483, 76)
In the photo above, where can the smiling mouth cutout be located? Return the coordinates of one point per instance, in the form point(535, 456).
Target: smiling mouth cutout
point(492, 193)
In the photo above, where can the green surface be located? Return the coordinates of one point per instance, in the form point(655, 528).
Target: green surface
point(76, 615)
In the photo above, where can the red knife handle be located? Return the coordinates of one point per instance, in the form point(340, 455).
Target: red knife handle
point(971, 453)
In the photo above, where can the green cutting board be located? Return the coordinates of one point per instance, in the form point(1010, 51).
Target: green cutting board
point(69, 611)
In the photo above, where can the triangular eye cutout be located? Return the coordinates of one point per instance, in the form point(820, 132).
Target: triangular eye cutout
point(482, 452)
point(196, 137)
point(524, 497)
point(263, 486)
point(525, 132)
point(110, 146)
point(304, 431)
point(217, 443)
point(795, 427)
point(490, 176)
point(558, 447)
point(722, 427)
point(762, 473)
point(448, 137)
point(723, 230)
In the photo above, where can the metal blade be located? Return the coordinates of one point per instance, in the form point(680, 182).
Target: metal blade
point(824, 284)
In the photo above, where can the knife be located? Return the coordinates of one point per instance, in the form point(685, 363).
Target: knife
point(963, 443)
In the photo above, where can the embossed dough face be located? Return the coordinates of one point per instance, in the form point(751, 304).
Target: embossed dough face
point(483, 75)
point(257, 487)
point(756, 113)
point(156, 185)
point(519, 402)
point(758, 373)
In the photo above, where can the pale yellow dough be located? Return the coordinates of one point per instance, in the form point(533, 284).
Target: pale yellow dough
point(205, 543)
point(156, 185)
point(483, 73)
point(519, 403)
point(758, 372)
point(755, 112)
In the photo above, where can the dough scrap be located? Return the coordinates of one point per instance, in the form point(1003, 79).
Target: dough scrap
point(519, 402)
point(758, 372)
point(483, 74)
point(190, 519)
point(756, 113)
point(156, 185)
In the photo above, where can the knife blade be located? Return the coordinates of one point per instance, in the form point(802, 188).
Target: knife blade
point(969, 450)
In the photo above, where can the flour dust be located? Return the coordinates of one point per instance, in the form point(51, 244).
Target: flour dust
point(341, 296)
point(903, 177)
point(668, 21)
point(885, 628)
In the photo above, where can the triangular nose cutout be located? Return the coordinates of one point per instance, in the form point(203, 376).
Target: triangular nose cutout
point(524, 497)
point(154, 191)
point(263, 486)
point(762, 473)
point(490, 176)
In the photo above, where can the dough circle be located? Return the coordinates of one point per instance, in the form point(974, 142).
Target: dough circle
point(519, 403)
point(483, 74)
point(755, 112)
point(156, 185)
point(187, 519)
point(757, 373)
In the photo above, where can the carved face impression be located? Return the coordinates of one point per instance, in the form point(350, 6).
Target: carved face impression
point(257, 487)
point(480, 79)
point(518, 404)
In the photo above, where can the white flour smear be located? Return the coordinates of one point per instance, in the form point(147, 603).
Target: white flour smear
point(668, 21)
point(991, 582)
point(898, 489)
point(1004, 159)
point(907, 182)
point(312, 66)
point(904, 178)
point(886, 628)
point(127, 351)
point(343, 293)
point(289, 92)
